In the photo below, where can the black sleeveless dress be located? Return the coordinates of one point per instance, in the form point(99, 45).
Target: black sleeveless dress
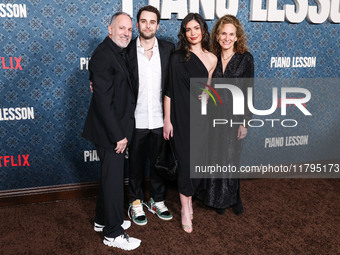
point(179, 91)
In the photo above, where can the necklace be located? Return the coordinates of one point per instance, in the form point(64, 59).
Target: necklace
point(149, 49)
point(225, 59)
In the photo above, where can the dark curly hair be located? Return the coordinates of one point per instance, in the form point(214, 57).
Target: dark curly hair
point(183, 43)
point(241, 43)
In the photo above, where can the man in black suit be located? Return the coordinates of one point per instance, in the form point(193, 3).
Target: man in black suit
point(109, 125)
point(149, 59)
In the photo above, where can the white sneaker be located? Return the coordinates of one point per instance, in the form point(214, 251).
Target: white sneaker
point(99, 228)
point(123, 242)
point(126, 224)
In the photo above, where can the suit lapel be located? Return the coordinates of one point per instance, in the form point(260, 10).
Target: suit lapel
point(163, 58)
point(122, 67)
point(133, 60)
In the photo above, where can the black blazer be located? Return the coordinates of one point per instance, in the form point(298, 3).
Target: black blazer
point(165, 50)
point(110, 117)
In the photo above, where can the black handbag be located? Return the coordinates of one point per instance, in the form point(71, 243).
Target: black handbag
point(166, 164)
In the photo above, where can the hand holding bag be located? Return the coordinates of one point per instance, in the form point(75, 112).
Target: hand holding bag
point(166, 164)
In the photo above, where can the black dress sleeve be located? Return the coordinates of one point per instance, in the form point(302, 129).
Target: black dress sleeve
point(173, 63)
point(249, 75)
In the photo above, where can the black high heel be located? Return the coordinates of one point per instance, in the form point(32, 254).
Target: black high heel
point(220, 211)
point(238, 208)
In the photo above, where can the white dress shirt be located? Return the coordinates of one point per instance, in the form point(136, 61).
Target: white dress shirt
point(149, 111)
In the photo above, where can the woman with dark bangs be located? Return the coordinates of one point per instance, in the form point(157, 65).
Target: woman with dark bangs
point(191, 60)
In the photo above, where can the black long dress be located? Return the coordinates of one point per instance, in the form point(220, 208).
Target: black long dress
point(223, 193)
point(178, 90)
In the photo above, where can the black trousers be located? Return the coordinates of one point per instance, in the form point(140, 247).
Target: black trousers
point(110, 201)
point(137, 161)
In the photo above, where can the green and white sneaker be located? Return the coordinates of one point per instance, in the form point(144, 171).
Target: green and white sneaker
point(160, 209)
point(136, 212)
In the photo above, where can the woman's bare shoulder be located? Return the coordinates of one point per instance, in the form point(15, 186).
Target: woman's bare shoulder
point(212, 58)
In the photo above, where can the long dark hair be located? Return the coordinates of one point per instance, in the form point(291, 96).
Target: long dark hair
point(183, 44)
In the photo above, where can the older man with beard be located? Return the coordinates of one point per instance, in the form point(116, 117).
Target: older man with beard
point(109, 125)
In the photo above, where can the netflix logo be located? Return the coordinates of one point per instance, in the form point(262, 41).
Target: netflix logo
point(10, 63)
point(10, 161)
